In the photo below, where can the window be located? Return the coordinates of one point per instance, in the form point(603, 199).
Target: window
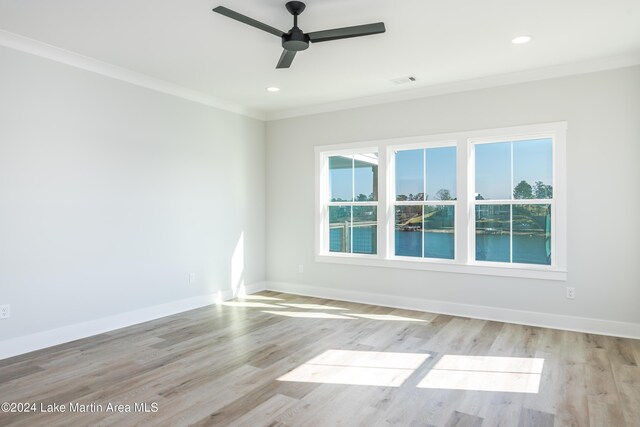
point(351, 204)
point(513, 200)
point(425, 194)
point(482, 202)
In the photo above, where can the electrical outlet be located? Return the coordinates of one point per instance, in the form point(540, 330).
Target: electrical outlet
point(571, 292)
point(300, 268)
point(192, 277)
point(5, 311)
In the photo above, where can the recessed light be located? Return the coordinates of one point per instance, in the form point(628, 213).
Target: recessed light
point(522, 40)
point(273, 89)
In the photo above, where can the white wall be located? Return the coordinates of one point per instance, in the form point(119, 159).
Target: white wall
point(111, 194)
point(603, 150)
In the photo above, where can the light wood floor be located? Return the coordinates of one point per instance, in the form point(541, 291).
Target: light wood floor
point(260, 362)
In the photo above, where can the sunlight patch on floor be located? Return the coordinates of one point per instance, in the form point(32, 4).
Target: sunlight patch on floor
point(309, 314)
point(313, 306)
point(387, 317)
point(261, 298)
point(248, 304)
point(485, 373)
point(370, 368)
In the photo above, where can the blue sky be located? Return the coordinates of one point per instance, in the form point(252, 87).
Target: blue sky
point(440, 166)
point(532, 161)
point(341, 179)
point(340, 184)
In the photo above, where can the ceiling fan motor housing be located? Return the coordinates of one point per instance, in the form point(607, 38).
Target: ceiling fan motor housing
point(295, 40)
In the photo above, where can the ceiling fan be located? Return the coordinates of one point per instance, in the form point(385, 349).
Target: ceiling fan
point(295, 40)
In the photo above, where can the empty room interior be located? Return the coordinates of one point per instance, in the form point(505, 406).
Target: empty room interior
point(354, 213)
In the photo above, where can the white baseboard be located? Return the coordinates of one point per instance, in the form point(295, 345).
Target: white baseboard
point(25, 344)
point(531, 318)
point(39, 340)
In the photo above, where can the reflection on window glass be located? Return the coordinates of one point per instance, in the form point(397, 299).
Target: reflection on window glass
point(438, 235)
point(493, 171)
point(410, 175)
point(441, 173)
point(366, 177)
point(532, 234)
point(341, 178)
point(364, 230)
point(532, 169)
point(339, 228)
point(408, 232)
point(493, 224)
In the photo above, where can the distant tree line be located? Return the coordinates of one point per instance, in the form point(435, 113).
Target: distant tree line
point(539, 190)
point(524, 190)
point(442, 194)
point(359, 198)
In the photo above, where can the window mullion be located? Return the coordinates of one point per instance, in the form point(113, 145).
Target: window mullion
point(463, 229)
point(511, 207)
point(424, 198)
point(511, 232)
point(422, 232)
point(381, 210)
point(353, 199)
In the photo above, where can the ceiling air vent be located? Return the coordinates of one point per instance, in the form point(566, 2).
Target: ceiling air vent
point(403, 80)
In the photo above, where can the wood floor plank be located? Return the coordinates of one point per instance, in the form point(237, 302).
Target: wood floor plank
point(18, 372)
point(602, 414)
point(573, 409)
point(263, 414)
point(628, 382)
point(600, 381)
point(533, 418)
point(231, 364)
point(459, 419)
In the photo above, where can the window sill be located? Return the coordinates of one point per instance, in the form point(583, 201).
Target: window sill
point(533, 272)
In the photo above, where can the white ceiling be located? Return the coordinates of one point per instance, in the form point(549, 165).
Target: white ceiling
point(438, 42)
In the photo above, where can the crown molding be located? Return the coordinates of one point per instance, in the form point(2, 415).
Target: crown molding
point(44, 50)
point(562, 70)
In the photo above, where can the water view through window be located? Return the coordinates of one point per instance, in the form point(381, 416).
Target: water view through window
point(512, 231)
point(479, 202)
point(425, 231)
point(353, 191)
point(424, 226)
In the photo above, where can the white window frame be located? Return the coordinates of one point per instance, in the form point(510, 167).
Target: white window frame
point(464, 261)
point(324, 193)
point(391, 235)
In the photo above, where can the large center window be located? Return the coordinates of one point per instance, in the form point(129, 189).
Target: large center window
point(425, 194)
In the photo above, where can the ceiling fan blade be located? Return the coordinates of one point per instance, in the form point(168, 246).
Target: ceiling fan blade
point(286, 58)
point(346, 32)
point(249, 21)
